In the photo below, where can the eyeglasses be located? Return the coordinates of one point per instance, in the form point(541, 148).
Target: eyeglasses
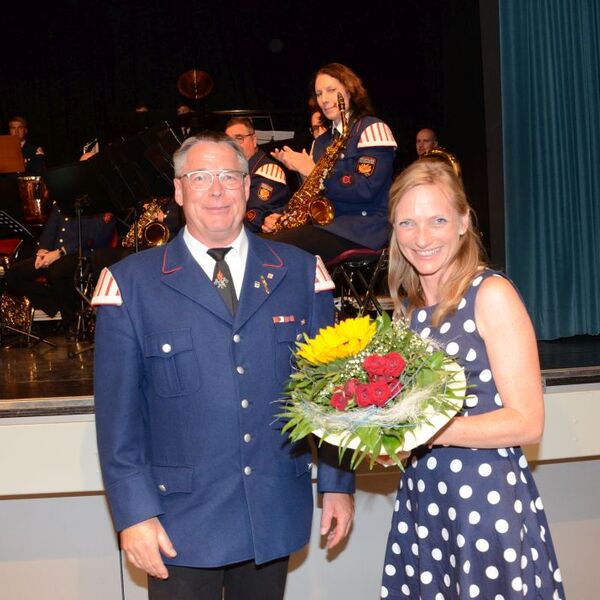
point(240, 137)
point(314, 128)
point(200, 181)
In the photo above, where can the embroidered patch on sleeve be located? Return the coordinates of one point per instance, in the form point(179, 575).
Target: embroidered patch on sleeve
point(250, 215)
point(107, 291)
point(264, 192)
point(366, 165)
point(323, 281)
point(346, 179)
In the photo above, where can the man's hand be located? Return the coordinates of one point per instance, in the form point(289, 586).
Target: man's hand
point(44, 258)
point(336, 517)
point(143, 543)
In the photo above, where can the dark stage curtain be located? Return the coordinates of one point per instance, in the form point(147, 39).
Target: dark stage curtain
point(550, 52)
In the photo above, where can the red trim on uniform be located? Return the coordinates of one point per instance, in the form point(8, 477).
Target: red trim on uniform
point(276, 266)
point(164, 269)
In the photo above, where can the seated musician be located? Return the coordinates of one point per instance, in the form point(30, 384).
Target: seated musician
point(57, 259)
point(357, 184)
point(269, 191)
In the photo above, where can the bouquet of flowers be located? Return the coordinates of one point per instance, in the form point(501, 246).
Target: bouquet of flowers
point(372, 386)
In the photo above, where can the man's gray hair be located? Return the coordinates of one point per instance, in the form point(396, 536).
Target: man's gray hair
point(214, 137)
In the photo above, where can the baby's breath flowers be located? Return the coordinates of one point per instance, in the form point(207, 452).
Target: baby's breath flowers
point(373, 386)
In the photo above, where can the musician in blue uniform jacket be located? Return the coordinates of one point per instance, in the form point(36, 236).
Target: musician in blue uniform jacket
point(359, 182)
point(57, 258)
point(269, 191)
point(206, 492)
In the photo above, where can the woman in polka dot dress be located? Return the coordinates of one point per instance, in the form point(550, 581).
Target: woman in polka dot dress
point(468, 521)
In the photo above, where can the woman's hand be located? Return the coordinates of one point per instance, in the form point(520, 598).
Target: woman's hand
point(295, 161)
point(269, 223)
point(388, 461)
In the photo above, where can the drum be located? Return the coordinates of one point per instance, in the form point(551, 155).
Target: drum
point(35, 199)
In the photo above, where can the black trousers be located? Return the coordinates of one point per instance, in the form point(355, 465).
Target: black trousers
point(58, 294)
point(240, 581)
point(314, 240)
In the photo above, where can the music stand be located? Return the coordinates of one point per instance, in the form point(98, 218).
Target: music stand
point(11, 155)
point(79, 191)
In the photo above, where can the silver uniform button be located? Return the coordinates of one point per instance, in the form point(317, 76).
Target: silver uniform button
point(245, 403)
point(247, 437)
point(299, 337)
point(237, 338)
point(166, 348)
point(247, 470)
point(364, 213)
point(162, 487)
point(240, 370)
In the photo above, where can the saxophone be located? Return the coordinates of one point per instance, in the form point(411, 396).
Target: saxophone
point(150, 231)
point(308, 204)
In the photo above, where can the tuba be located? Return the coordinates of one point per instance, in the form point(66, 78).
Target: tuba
point(150, 231)
point(439, 153)
point(308, 204)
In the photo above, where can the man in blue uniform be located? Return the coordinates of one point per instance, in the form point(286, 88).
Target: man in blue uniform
point(193, 349)
point(269, 191)
point(57, 259)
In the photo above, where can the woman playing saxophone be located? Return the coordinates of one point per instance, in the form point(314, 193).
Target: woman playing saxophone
point(357, 185)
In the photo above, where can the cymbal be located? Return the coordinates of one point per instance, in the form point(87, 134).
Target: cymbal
point(195, 84)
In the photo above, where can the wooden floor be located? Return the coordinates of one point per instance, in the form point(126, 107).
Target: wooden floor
point(42, 371)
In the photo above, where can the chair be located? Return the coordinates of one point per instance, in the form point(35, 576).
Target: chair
point(359, 274)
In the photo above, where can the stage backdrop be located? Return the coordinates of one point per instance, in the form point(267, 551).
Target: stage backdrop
point(550, 52)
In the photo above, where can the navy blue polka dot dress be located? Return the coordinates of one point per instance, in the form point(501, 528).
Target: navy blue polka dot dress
point(467, 522)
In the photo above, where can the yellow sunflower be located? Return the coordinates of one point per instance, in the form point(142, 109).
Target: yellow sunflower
point(345, 339)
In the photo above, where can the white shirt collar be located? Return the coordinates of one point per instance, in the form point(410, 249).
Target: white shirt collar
point(235, 258)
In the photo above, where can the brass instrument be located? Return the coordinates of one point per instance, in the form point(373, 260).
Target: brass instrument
point(150, 231)
point(308, 204)
point(439, 153)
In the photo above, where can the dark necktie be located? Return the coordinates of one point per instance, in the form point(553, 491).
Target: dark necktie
point(222, 279)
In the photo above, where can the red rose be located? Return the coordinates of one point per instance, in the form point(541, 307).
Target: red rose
point(350, 388)
point(339, 400)
point(374, 365)
point(363, 395)
point(380, 392)
point(393, 364)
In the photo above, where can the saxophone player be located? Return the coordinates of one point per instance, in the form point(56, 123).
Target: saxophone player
point(357, 185)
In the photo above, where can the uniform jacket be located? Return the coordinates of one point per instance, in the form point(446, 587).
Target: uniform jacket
point(62, 230)
point(35, 164)
point(186, 402)
point(359, 183)
point(269, 192)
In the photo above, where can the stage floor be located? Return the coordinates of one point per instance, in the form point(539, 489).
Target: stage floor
point(42, 371)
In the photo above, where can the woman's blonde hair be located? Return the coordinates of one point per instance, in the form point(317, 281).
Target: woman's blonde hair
point(405, 287)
